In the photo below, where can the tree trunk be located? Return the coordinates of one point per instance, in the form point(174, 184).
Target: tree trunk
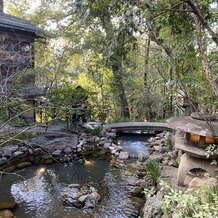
point(147, 53)
point(117, 73)
point(204, 60)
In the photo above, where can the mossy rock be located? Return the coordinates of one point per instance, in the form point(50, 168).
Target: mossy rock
point(6, 214)
point(137, 192)
point(141, 175)
point(95, 152)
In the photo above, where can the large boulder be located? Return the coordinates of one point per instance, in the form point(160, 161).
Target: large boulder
point(152, 207)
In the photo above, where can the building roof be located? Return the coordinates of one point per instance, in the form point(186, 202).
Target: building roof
point(16, 23)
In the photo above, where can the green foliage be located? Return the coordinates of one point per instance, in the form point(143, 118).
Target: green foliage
point(153, 171)
point(212, 150)
point(188, 205)
point(149, 192)
point(111, 35)
point(67, 101)
point(94, 132)
point(119, 119)
point(17, 138)
point(169, 142)
point(13, 110)
point(137, 192)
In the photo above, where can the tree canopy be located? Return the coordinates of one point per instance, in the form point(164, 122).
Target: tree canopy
point(134, 57)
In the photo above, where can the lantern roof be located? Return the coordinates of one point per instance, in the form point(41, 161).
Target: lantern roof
point(203, 124)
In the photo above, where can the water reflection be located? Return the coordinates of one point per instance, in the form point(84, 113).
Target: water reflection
point(38, 196)
point(34, 193)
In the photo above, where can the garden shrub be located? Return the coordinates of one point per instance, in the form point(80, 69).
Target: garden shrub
point(153, 171)
point(186, 204)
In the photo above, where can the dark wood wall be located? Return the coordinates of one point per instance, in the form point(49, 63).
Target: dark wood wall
point(16, 59)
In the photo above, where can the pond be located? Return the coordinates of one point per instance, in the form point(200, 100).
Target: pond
point(37, 189)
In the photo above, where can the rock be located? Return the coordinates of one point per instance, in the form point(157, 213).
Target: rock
point(94, 195)
point(47, 161)
point(110, 135)
point(117, 154)
point(137, 192)
point(128, 173)
point(202, 182)
point(111, 148)
point(3, 161)
point(137, 202)
point(156, 148)
point(13, 148)
point(165, 162)
point(81, 143)
point(79, 150)
point(80, 196)
point(107, 145)
point(113, 151)
point(6, 214)
point(7, 205)
point(173, 163)
point(91, 139)
point(9, 169)
point(30, 151)
point(46, 156)
point(101, 143)
point(152, 207)
point(142, 157)
point(23, 165)
point(170, 155)
point(150, 139)
point(57, 153)
point(37, 151)
point(67, 150)
point(6, 152)
point(163, 149)
point(17, 153)
point(124, 155)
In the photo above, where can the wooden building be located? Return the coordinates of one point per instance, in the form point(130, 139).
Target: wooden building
point(17, 37)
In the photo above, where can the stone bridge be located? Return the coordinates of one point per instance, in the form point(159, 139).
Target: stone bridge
point(143, 126)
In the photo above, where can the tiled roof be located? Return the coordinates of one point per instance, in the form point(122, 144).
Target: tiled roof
point(16, 23)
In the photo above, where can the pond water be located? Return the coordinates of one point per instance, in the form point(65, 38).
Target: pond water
point(37, 189)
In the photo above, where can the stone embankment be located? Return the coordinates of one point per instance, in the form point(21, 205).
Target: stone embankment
point(55, 147)
point(161, 147)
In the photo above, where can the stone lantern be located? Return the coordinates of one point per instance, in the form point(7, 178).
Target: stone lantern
point(194, 134)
